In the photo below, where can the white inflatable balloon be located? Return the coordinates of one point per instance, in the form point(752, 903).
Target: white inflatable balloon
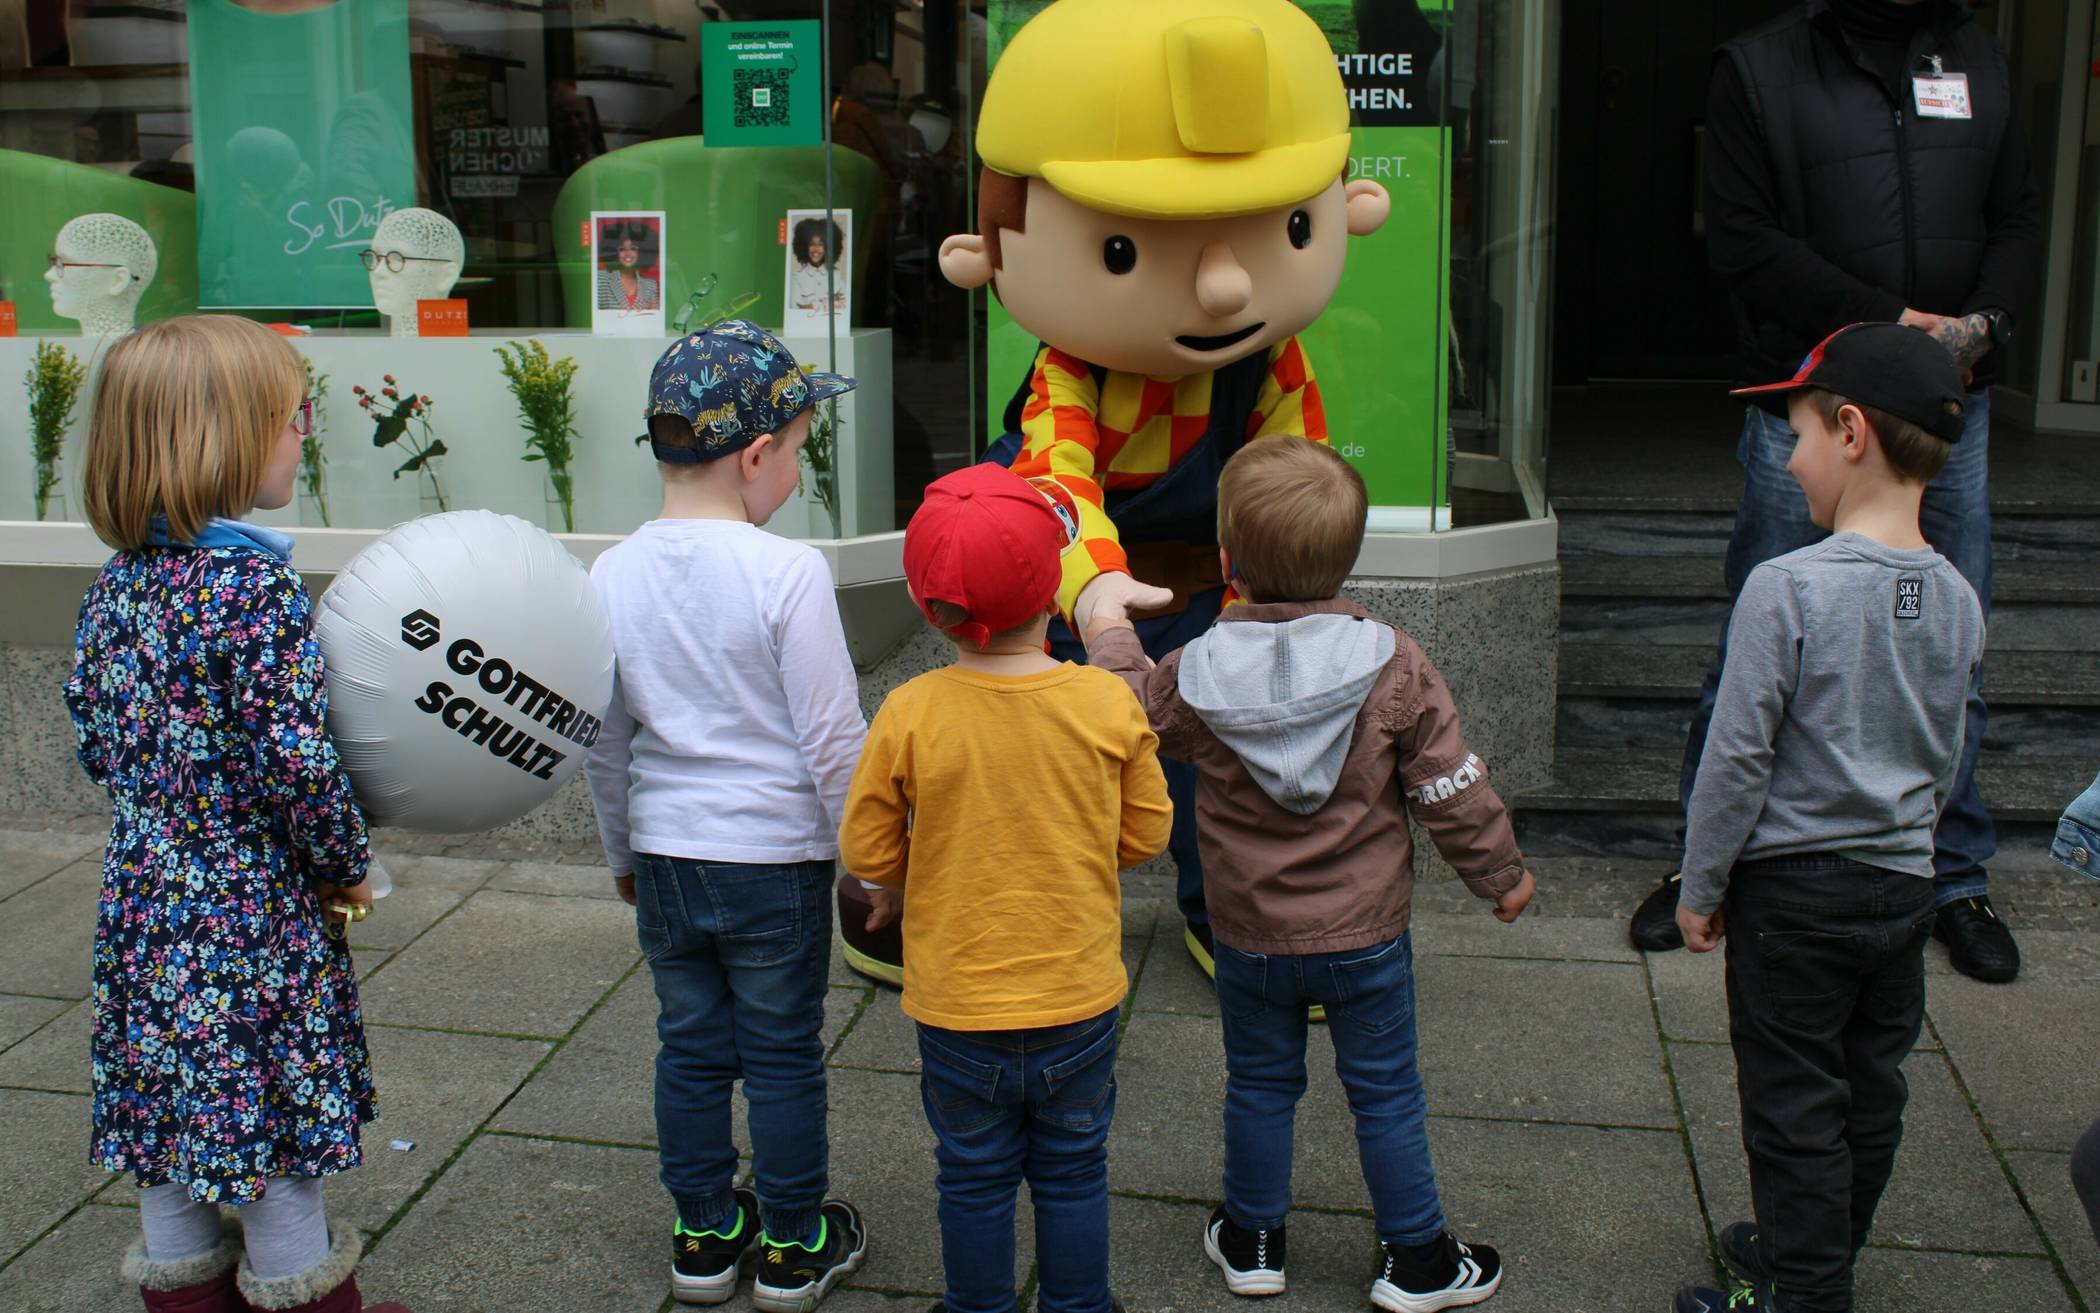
point(469, 664)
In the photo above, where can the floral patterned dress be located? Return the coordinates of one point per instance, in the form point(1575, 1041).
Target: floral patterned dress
point(228, 1046)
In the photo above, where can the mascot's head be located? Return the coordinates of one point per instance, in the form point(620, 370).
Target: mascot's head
point(1163, 189)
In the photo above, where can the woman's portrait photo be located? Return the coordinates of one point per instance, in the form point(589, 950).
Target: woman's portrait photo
point(627, 255)
point(818, 276)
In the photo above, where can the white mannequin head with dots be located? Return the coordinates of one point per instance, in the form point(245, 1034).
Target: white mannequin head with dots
point(431, 254)
point(101, 266)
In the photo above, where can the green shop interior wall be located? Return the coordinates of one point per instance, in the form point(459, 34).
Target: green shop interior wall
point(722, 208)
point(1380, 352)
point(39, 194)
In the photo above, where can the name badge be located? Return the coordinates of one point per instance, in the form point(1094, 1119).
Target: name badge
point(1942, 95)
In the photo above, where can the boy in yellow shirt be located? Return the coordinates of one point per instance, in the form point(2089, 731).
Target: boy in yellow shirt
point(1013, 963)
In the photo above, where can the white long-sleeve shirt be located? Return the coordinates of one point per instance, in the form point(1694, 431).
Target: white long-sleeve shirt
point(735, 722)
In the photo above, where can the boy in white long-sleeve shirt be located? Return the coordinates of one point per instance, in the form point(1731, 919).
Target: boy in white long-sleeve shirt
point(720, 779)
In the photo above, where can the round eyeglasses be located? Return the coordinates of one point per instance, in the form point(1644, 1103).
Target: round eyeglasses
point(395, 261)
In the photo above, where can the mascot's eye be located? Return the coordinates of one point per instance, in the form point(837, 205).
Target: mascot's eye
point(1300, 229)
point(1119, 254)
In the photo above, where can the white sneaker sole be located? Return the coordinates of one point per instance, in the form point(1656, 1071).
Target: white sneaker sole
point(705, 1290)
point(1393, 1299)
point(1254, 1285)
point(801, 1299)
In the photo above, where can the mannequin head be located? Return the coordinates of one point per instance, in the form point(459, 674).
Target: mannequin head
point(103, 266)
point(432, 255)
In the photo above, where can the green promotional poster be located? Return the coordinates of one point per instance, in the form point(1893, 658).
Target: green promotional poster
point(1380, 352)
point(762, 83)
point(303, 144)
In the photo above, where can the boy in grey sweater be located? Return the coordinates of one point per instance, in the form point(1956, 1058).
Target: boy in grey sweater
point(1809, 841)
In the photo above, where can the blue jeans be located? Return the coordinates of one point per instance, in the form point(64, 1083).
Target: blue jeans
point(1014, 1105)
point(1369, 994)
point(1956, 518)
point(740, 957)
point(1160, 635)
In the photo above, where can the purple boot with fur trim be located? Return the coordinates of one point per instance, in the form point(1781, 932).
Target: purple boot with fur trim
point(204, 1284)
point(328, 1287)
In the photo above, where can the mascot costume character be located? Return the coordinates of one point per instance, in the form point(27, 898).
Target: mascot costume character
point(1163, 204)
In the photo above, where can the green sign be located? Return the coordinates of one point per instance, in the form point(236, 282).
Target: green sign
point(761, 84)
point(303, 143)
point(1381, 351)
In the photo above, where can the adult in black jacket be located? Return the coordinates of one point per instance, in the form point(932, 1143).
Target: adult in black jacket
point(1847, 182)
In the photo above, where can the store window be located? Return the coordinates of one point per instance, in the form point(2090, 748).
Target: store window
point(642, 166)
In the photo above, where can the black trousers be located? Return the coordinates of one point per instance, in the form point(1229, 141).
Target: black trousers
point(1826, 993)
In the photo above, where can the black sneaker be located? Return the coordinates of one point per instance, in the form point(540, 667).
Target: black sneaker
point(1739, 1254)
point(794, 1279)
point(1654, 928)
point(1459, 1275)
point(1978, 943)
point(1744, 1299)
point(1252, 1261)
point(705, 1265)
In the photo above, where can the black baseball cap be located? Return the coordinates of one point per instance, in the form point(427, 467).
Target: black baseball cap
point(1891, 367)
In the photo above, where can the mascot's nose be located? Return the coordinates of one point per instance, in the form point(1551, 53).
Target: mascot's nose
point(1223, 288)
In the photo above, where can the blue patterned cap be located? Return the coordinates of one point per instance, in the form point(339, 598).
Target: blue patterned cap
point(732, 383)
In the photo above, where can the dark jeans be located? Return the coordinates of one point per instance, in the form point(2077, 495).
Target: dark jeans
point(1014, 1105)
point(1772, 520)
point(1369, 994)
point(2085, 1176)
point(740, 959)
point(1826, 992)
point(1161, 635)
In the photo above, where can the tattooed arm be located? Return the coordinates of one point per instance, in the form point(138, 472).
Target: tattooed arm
point(1967, 339)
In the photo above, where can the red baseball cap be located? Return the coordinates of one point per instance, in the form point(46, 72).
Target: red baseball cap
point(985, 540)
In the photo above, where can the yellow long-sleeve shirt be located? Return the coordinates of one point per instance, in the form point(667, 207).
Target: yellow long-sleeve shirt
point(1005, 806)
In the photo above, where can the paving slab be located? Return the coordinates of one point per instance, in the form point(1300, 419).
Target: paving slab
point(1947, 1192)
point(555, 880)
point(1544, 1041)
point(75, 1269)
point(1897, 1281)
point(2045, 1178)
point(1171, 981)
point(528, 1224)
point(20, 1017)
point(601, 1085)
point(509, 964)
point(44, 1142)
point(2025, 1052)
point(1476, 933)
point(882, 1160)
point(1587, 1220)
point(425, 888)
point(47, 934)
point(434, 1090)
point(27, 856)
point(56, 1057)
point(1156, 1262)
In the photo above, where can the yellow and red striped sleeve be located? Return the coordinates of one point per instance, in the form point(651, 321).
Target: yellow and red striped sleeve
point(1061, 442)
point(1289, 401)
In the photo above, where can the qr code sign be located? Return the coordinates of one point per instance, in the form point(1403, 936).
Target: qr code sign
point(761, 97)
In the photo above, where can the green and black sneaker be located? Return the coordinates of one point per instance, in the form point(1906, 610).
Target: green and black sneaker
point(1739, 1254)
point(1743, 1299)
point(794, 1278)
point(705, 1265)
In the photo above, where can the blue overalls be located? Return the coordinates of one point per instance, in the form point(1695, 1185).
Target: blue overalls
point(1180, 506)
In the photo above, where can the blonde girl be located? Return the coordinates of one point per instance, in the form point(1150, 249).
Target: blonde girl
point(229, 1055)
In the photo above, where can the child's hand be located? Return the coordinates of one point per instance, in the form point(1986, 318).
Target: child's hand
point(1511, 905)
point(1702, 934)
point(884, 906)
point(625, 884)
point(334, 897)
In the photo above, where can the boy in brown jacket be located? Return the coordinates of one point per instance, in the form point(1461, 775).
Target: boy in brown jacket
point(1315, 730)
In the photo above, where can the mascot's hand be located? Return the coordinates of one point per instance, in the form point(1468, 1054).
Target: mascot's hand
point(1114, 596)
point(884, 905)
point(625, 885)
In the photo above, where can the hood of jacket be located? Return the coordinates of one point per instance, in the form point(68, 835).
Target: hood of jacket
point(1281, 685)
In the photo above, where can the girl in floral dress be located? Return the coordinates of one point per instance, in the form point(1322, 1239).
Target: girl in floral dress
point(229, 1055)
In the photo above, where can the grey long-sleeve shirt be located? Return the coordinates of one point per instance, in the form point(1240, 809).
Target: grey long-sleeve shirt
point(1838, 725)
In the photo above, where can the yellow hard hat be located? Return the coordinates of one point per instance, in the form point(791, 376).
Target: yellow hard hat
point(1169, 109)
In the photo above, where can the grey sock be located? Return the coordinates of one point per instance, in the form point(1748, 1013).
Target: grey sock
point(177, 1227)
point(285, 1231)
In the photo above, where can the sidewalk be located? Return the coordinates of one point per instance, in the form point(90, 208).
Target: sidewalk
point(1582, 1099)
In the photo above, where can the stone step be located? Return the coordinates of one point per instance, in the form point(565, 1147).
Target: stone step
point(1705, 533)
point(1678, 621)
point(1657, 671)
point(1701, 577)
point(1621, 725)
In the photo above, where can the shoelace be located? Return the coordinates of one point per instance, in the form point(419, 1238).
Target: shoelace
point(1746, 1297)
point(1979, 905)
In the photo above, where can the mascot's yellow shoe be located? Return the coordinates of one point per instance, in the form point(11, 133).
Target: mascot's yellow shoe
point(876, 954)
